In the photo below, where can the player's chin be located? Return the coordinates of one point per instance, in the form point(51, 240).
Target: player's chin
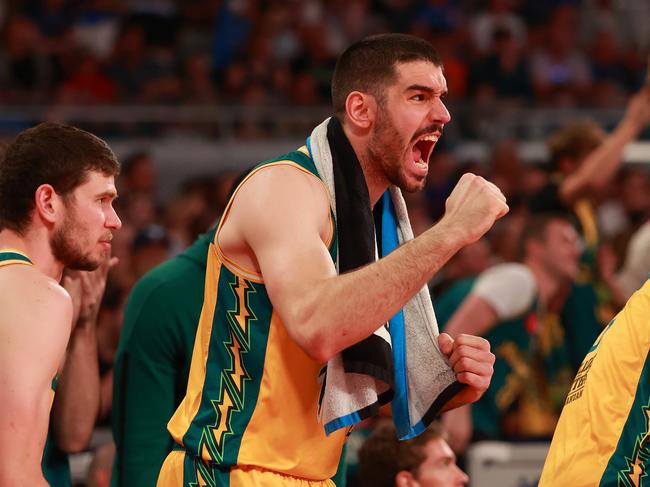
point(413, 184)
point(94, 260)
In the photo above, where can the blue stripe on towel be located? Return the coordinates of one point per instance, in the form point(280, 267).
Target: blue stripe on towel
point(389, 242)
point(343, 422)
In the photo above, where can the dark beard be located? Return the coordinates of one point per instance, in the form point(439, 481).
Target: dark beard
point(65, 249)
point(385, 150)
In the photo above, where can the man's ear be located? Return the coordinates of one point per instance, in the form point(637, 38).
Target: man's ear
point(405, 478)
point(361, 109)
point(48, 204)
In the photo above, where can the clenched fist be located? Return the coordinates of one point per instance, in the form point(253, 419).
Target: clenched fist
point(473, 207)
point(472, 362)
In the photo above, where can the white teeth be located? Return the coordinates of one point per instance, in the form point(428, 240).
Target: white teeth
point(421, 164)
point(432, 138)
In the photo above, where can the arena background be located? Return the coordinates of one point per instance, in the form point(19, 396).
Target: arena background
point(189, 93)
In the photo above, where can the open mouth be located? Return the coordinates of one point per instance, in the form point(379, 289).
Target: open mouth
point(422, 150)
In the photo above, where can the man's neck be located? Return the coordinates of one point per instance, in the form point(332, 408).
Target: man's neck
point(375, 180)
point(36, 246)
point(547, 284)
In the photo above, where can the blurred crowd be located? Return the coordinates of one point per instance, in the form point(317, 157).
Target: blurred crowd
point(252, 52)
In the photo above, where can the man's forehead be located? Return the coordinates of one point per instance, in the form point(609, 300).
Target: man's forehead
point(420, 72)
point(562, 227)
point(438, 448)
point(98, 181)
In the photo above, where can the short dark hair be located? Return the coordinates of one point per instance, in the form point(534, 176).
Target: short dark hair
point(369, 64)
point(50, 153)
point(383, 456)
point(536, 226)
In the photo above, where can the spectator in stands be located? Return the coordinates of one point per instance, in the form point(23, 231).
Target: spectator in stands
point(88, 84)
point(425, 461)
point(560, 71)
point(609, 74)
point(96, 26)
point(504, 74)
point(26, 70)
point(500, 16)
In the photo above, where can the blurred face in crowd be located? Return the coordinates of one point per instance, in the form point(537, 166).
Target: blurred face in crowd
point(438, 469)
point(82, 240)
point(561, 249)
point(410, 118)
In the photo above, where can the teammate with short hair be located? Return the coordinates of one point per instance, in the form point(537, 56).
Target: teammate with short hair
point(424, 461)
point(56, 193)
point(514, 306)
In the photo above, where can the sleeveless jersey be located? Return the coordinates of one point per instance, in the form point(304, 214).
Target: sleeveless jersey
point(602, 438)
point(55, 462)
point(252, 393)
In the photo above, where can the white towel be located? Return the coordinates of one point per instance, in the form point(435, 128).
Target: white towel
point(423, 380)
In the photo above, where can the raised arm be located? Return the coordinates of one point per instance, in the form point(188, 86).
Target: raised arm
point(600, 166)
point(325, 313)
point(34, 330)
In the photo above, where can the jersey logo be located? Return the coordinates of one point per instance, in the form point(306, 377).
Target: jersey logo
point(637, 464)
point(231, 396)
point(578, 385)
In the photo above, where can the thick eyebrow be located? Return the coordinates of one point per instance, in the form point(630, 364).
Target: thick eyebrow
point(428, 89)
point(110, 193)
point(444, 458)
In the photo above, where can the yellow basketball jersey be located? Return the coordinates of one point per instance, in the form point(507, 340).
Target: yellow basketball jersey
point(602, 438)
point(252, 394)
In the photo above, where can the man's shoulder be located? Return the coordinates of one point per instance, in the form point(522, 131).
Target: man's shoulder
point(279, 184)
point(509, 288)
point(25, 286)
point(298, 160)
point(509, 272)
point(34, 306)
point(299, 157)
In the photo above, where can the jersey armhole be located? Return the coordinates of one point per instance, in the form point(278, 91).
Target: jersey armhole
point(231, 263)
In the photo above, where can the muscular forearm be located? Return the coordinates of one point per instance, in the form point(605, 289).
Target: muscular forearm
point(76, 401)
point(340, 311)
